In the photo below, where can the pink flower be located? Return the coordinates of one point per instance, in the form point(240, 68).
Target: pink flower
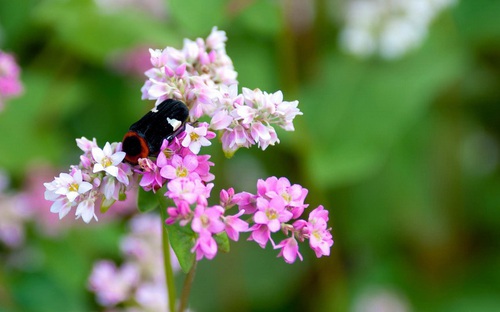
point(205, 246)
point(180, 167)
point(320, 238)
point(151, 177)
point(182, 212)
point(293, 195)
point(203, 169)
point(86, 145)
point(208, 219)
point(10, 85)
point(260, 234)
point(234, 225)
point(190, 191)
point(246, 202)
point(197, 137)
point(289, 250)
point(111, 284)
point(271, 213)
point(221, 120)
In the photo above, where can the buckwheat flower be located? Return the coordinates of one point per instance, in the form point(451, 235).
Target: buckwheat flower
point(246, 202)
point(180, 167)
point(10, 84)
point(208, 219)
point(151, 177)
point(286, 112)
point(86, 145)
point(221, 120)
point(72, 185)
point(320, 238)
point(205, 246)
point(293, 195)
point(388, 28)
point(113, 285)
point(271, 213)
point(234, 225)
point(260, 234)
point(62, 207)
point(227, 198)
point(107, 161)
point(180, 213)
point(289, 250)
point(143, 246)
point(203, 169)
point(14, 215)
point(197, 137)
point(151, 296)
point(191, 191)
point(86, 209)
point(217, 39)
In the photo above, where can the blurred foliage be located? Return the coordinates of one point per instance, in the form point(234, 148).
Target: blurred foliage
point(403, 153)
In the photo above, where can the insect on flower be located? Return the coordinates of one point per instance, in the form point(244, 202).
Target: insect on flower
point(145, 137)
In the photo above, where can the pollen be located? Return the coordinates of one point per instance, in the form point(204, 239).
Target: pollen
point(194, 136)
point(73, 187)
point(181, 172)
point(271, 214)
point(287, 197)
point(168, 153)
point(106, 162)
point(204, 220)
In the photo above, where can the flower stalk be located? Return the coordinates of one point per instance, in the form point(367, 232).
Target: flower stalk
point(167, 263)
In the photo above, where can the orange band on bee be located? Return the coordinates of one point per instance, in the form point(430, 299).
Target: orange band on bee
point(136, 147)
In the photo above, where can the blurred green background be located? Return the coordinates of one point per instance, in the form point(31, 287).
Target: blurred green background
point(404, 153)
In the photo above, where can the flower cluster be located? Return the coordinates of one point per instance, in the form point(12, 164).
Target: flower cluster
point(202, 76)
point(277, 206)
point(101, 177)
point(140, 276)
point(13, 215)
point(10, 85)
point(389, 28)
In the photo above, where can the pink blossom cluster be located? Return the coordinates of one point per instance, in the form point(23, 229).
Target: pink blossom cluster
point(100, 178)
point(278, 207)
point(191, 74)
point(140, 276)
point(13, 215)
point(10, 84)
point(202, 76)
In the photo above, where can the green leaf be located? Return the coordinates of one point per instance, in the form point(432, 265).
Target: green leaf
point(182, 240)
point(222, 241)
point(147, 201)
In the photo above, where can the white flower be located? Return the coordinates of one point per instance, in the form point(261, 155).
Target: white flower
point(72, 186)
point(86, 209)
point(195, 138)
point(107, 160)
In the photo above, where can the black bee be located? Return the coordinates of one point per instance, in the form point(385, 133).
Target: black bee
point(145, 137)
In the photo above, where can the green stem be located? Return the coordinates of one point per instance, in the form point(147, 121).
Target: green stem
point(169, 273)
point(186, 289)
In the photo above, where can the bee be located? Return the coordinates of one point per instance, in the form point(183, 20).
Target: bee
point(145, 137)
